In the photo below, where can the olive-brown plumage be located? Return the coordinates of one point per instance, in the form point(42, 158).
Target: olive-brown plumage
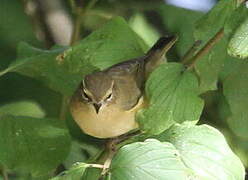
point(105, 103)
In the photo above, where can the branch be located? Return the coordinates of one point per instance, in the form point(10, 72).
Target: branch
point(186, 58)
point(218, 36)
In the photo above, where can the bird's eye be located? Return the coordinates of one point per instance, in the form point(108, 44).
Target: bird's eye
point(85, 96)
point(109, 96)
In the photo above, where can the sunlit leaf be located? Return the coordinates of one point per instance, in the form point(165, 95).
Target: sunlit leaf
point(149, 160)
point(204, 150)
point(238, 45)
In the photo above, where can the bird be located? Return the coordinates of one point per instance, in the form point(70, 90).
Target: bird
point(105, 103)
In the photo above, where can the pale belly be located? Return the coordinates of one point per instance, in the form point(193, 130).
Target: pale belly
point(109, 122)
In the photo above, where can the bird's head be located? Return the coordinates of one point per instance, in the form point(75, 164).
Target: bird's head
point(96, 90)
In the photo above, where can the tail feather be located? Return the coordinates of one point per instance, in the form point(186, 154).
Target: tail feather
point(155, 55)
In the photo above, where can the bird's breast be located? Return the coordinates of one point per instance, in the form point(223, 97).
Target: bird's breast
point(111, 121)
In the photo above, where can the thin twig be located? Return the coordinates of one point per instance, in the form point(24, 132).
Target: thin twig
point(191, 52)
point(77, 26)
point(100, 166)
point(218, 36)
point(111, 150)
point(4, 71)
point(91, 4)
point(73, 5)
point(80, 13)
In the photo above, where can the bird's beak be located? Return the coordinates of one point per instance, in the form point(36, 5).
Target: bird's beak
point(97, 107)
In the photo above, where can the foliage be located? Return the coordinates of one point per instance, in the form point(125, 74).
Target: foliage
point(211, 88)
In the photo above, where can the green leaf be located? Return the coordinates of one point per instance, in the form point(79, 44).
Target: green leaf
point(42, 65)
point(149, 160)
point(62, 70)
point(172, 92)
point(15, 26)
point(235, 88)
point(76, 172)
point(204, 150)
point(238, 45)
point(216, 17)
point(181, 22)
point(23, 108)
point(32, 145)
point(113, 43)
point(231, 64)
point(145, 30)
point(209, 66)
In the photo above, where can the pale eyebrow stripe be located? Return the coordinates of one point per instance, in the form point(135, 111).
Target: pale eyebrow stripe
point(109, 91)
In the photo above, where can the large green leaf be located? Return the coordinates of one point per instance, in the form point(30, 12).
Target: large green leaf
point(231, 64)
point(113, 43)
point(172, 92)
point(209, 66)
point(149, 160)
point(235, 87)
point(205, 151)
point(42, 65)
point(183, 152)
point(32, 145)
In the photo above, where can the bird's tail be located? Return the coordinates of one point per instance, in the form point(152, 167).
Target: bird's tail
point(154, 56)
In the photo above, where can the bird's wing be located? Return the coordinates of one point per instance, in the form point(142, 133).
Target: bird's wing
point(134, 69)
point(129, 81)
point(154, 57)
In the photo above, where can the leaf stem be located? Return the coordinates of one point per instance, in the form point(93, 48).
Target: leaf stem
point(4, 72)
point(100, 166)
point(218, 36)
